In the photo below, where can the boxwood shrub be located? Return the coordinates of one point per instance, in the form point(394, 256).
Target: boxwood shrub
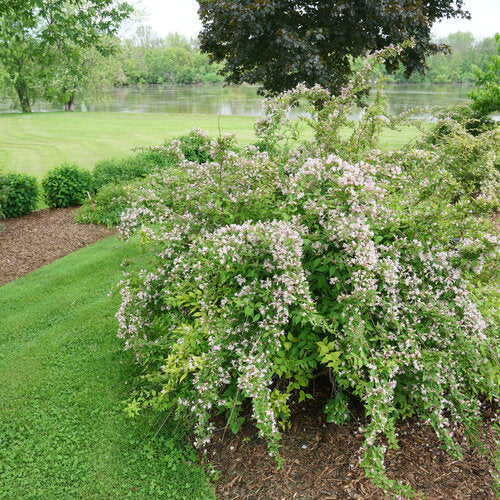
point(66, 186)
point(3, 196)
point(18, 194)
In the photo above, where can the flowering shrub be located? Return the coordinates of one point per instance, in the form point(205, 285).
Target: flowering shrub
point(327, 115)
point(471, 158)
point(272, 266)
point(111, 178)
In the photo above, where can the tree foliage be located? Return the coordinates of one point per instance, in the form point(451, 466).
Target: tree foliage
point(486, 96)
point(456, 66)
point(82, 73)
point(281, 43)
point(173, 59)
point(32, 31)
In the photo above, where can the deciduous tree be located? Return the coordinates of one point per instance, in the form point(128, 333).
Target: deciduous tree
point(486, 96)
point(32, 30)
point(280, 43)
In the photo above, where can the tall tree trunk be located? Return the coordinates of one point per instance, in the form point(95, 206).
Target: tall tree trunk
point(70, 105)
point(22, 94)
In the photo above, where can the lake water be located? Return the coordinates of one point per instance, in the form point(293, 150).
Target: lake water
point(238, 100)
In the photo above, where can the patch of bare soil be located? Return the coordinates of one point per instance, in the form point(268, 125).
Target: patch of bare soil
point(37, 239)
point(321, 462)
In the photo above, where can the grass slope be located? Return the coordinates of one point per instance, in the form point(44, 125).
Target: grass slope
point(63, 376)
point(37, 142)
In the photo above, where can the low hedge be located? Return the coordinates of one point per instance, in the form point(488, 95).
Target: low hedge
point(112, 179)
point(128, 169)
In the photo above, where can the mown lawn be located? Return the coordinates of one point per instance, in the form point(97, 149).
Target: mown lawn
point(37, 142)
point(63, 379)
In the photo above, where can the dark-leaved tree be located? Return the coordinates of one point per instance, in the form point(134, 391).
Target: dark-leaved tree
point(280, 43)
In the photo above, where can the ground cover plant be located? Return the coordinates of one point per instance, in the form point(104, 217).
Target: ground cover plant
point(282, 261)
point(63, 379)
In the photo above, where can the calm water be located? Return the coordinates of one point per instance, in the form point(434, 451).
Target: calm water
point(242, 100)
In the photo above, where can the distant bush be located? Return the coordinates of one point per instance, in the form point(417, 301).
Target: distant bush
point(106, 206)
point(18, 194)
point(114, 171)
point(133, 167)
point(154, 160)
point(463, 114)
point(66, 186)
point(194, 146)
point(486, 96)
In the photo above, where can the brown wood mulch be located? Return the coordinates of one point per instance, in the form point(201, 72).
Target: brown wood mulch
point(321, 462)
point(37, 239)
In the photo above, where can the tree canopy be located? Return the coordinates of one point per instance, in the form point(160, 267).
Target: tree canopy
point(486, 96)
point(33, 31)
point(280, 43)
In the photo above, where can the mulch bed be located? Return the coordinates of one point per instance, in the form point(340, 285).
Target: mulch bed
point(321, 462)
point(37, 239)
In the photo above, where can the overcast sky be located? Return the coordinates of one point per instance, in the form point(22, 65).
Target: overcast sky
point(167, 16)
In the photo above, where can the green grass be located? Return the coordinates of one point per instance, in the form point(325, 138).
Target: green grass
point(35, 143)
point(63, 379)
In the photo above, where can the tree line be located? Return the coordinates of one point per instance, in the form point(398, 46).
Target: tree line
point(147, 58)
point(457, 65)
